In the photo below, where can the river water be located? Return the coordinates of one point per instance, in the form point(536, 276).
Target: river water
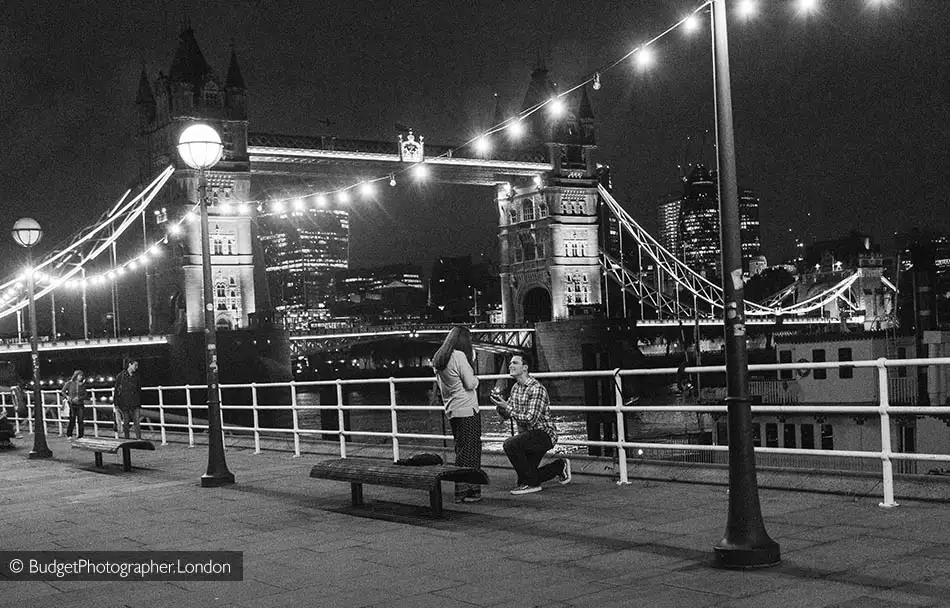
point(571, 426)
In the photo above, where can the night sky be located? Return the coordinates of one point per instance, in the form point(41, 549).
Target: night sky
point(841, 117)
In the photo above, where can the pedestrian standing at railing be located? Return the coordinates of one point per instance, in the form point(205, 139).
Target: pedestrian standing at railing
point(456, 382)
point(530, 407)
point(127, 399)
point(75, 393)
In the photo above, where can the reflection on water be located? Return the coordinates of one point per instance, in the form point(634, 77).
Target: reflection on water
point(641, 426)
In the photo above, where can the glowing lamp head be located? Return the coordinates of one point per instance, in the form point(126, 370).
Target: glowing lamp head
point(343, 196)
point(556, 107)
point(200, 146)
point(483, 145)
point(322, 200)
point(392, 180)
point(367, 190)
point(516, 128)
point(27, 232)
point(807, 6)
point(420, 171)
point(298, 205)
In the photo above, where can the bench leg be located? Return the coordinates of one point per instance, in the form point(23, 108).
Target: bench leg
point(356, 491)
point(126, 459)
point(99, 459)
point(435, 499)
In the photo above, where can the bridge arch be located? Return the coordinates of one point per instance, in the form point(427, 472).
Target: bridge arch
point(536, 305)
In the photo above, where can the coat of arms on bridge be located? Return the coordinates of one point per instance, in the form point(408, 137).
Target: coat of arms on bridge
point(410, 150)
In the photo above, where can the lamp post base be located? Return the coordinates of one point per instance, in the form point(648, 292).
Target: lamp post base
point(214, 481)
point(742, 556)
point(36, 454)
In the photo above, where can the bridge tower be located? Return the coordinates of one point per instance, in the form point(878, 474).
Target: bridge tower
point(190, 92)
point(548, 227)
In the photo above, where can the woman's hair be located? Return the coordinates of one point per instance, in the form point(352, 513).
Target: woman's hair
point(75, 376)
point(460, 338)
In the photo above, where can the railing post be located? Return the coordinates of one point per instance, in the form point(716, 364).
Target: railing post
point(257, 421)
point(59, 412)
point(29, 408)
point(293, 412)
point(95, 415)
point(161, 415)
point(886, 463)
point(339, 411)
point(621, 432)
point(191, 430)
point(392, 415)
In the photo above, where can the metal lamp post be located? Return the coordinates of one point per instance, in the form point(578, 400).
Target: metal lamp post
point(27, 233)
point(745, 543)
point(200, 148)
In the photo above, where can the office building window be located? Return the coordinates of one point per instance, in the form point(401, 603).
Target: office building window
point(818, 356)
point(827, 437)
point(788, 439)
point(785, 356)
point(808, 437)
point(844, 354)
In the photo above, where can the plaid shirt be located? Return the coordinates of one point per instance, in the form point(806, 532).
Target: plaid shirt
point(530, 406)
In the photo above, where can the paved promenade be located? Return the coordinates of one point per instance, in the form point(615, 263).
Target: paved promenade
point(590, 543)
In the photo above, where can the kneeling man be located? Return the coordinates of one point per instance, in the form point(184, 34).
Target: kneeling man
point(530, 407)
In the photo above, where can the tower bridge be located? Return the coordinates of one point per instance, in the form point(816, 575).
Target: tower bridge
point(553, 201)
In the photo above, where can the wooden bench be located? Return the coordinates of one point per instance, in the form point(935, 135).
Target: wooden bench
point(101, 445)
point(358, 471)
point(5, 437)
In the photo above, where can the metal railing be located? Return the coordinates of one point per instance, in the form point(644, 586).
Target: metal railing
point(168, 401)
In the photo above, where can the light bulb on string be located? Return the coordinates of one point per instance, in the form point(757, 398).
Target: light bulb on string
point(298, 205)
point(748, 8)
point(243, 209)
point(516, 128)
point(691, 24)
point(226, 208)
point(806, 7)
point(483, 145)
point(645, 58)
point(597, 84)
point(556, 107)
point(420, 171)
point(392, 180)
point(343, 196)
point(367, 190)
point(322, 200)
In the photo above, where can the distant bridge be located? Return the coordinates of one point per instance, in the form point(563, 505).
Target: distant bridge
point(501, 339)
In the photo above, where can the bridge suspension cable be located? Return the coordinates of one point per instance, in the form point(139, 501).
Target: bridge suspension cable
point(87, 244)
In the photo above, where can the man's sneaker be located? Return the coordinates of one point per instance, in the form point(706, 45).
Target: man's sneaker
point(565, 477)
point(525, 490)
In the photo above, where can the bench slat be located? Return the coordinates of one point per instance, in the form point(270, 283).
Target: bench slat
point(362, 470)
point(112, 446)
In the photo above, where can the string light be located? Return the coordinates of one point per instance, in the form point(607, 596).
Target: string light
point(596, 81)
point(516, 128)
point(556, 107)
point(322, 200)
point(483, 145)
point(392, 180)
point(298, 205)
point(691, 24)
point(343, 196)
point(420, 171)
point(367, 190)
point(645, 58)
point(748, 8)
point(807, 7)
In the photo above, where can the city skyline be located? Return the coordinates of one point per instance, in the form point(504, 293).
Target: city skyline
point(835, 143)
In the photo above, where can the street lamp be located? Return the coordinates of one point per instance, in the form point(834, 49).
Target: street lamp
point(27, 233)
point(200, 147)
point(745, 543)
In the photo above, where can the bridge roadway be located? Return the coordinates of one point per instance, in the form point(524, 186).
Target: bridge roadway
point(591, 543)
point(21, 346)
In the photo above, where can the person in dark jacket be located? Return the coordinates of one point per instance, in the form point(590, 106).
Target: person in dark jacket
point(75, 393)
point(127, 399)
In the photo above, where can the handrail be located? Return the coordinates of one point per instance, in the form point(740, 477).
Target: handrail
point(169, 400)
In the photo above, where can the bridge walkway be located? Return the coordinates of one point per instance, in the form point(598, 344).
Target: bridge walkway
point(590, 543)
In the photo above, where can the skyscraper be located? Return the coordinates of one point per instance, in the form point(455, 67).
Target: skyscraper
point(304, 248)
point(689, 223)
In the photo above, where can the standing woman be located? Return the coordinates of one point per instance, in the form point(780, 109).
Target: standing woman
point(75, 393)
point(455, 376)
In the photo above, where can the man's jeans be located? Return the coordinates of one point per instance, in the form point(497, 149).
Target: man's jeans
point(124, 418)
point(525, 451)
